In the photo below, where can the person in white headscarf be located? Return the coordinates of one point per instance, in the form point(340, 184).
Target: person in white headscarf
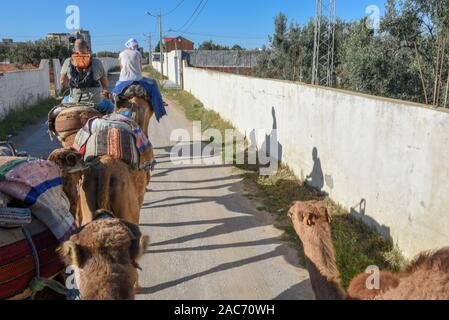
point(131, 62)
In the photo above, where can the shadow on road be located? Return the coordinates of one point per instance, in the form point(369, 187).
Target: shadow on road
point(222, 267)
point(244, 216)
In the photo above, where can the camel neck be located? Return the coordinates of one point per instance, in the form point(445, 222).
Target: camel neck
point(321, 263)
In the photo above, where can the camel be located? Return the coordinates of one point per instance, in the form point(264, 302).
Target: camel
point(109, 183)
point(106, 254)
point(71, 164)
point(105, 183)
point(135, 100)
point(426, 278)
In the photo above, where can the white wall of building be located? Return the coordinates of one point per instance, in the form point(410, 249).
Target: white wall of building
point(384, 160)
point(24, 88)
point(172, 66)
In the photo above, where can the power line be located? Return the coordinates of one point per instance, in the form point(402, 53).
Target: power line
point(191, 17)
point(174, 9)
point(227, 36)
point(196, 18)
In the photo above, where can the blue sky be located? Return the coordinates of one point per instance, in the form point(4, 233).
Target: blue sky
point(244, 22)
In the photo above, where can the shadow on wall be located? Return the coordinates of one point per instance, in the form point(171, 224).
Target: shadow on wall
point(271, 146)
point(271, 151)
point(316, 177)
point(359, 212)
point(317, 180)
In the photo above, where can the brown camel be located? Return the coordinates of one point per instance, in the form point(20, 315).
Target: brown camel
point(105, 183)
point(71, 165)
point(135, 100)
point(106, 253)
point(427, 277)
point(110, 184)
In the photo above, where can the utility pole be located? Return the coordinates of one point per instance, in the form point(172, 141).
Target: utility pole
point(161, 46)
point(150, 56)
point(324, 43)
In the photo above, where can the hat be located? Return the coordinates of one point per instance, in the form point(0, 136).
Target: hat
point(132, 44)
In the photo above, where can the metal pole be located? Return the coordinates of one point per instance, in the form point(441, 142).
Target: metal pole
point(161, 46)
point(150, 56)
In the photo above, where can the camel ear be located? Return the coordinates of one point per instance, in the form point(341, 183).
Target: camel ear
point(144, 242)
point(139, 242)
point(70, 253)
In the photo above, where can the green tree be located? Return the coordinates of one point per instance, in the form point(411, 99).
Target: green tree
point(404, 59)
point(33, 52)
point(210, 45)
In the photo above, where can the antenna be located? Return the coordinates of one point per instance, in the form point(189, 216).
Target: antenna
point(324, 45)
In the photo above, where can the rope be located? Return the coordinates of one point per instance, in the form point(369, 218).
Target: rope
point(38, 283)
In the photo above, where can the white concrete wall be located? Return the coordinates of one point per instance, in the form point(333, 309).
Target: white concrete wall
point(110, 63)
point(384, 160)
point(57, 74)
point(19, 89)
point(172, 66)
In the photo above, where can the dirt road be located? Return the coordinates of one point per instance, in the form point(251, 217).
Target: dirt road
point(208, 241)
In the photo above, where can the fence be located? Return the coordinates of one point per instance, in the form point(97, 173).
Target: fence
point(222, 58)
point(384, 160)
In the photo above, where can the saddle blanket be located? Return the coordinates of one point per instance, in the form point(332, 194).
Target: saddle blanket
point(38, 184)
point(113, 135)
point(155, 97)
point(67, 120)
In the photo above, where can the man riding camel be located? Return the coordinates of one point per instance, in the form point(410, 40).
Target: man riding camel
point(131, 62)
point(85, 75)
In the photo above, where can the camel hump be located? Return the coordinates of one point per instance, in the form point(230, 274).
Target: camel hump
point(360, 289)
point(430, 261)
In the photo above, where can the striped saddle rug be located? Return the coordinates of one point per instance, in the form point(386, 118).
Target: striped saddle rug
point(35, 185)
point(114, 135)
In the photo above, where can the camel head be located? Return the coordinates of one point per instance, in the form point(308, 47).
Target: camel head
point(309, 217)
point(68, 160)
point(135, 101)
point(105, 253)
point(72, 166)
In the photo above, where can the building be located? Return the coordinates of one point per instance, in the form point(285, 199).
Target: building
point(178, 43)
point(59, 37)
point(68, 38)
